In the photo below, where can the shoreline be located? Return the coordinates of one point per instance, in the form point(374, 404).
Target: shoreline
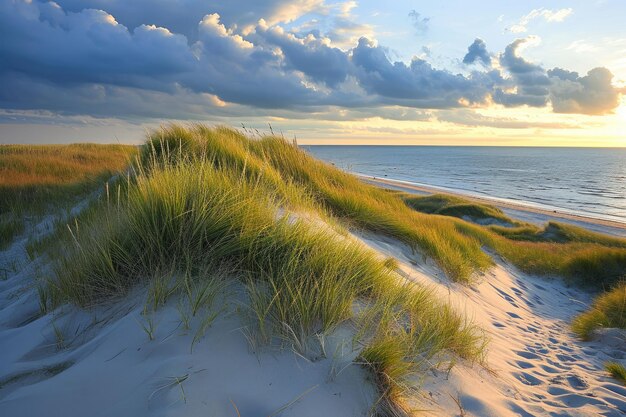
point(520, 211)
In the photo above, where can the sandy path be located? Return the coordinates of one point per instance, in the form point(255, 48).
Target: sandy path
point(539, 366)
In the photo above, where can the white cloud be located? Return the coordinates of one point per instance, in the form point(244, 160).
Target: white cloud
point(545, 14)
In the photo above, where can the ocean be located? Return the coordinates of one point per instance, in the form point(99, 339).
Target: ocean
point(583, 181)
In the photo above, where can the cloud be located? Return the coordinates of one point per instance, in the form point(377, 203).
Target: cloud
point(466, 117)
point(88, 62)
point(477, 51)
point(419, 22)
point(591, 94)
point(545, 14)
point(417, 84)
point(529, 82)
point(88, 46)
point(182, 16)
point(310, 55)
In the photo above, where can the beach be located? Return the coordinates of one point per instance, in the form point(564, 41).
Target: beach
point(519, 211)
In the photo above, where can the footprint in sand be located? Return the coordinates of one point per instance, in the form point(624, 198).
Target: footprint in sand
point(554, 390)
point(517, 291)
point(506, 296)
point(549, 369)
point(565, 358)
point(513, 315)
point(577, 382)
point(521, 284)
point(524, 364)
point(530, 328)
point(559, 365)
point(573, 381)
point(527, 355)
point(527, 379)
point(577, 400)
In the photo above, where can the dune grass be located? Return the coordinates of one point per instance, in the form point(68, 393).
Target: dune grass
point(457, 246)
point(32, 176)
point(10, 226)
point(607, 310)
point(448, 205)
point(190, 217)
point(34, 179)
point(264, 213)
point(344, 196)
point(617, 371)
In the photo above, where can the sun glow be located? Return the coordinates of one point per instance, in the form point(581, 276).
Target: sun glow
point(621, 112)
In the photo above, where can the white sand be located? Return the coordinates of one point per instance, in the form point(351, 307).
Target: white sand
point(108, 367)
point(536, 365)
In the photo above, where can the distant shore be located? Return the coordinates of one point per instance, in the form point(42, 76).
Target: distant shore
point(520, 211)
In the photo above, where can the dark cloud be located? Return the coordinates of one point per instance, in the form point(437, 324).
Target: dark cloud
point(415, 84)
point(85, 61)
point(309, 55)
point(420, 23)
point(528, 80)
point(89, 46)
point(477, 51)
point(591, 94)
point(182, 16)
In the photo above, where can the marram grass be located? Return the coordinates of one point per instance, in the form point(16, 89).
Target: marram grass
point(607, 310)
point(226, 209)
point(265, 213)
point(33, 176)
point(37, 178)
point(617, 371)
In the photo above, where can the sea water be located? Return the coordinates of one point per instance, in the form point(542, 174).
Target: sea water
point(586, 181)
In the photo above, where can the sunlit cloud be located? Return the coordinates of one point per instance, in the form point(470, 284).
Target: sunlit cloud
point(546, 15)
point(311, 65)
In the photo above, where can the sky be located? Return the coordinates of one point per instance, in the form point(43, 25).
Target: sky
point(531, 73)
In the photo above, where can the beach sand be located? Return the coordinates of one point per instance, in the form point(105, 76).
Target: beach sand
point(535, 365)
point(105, 365)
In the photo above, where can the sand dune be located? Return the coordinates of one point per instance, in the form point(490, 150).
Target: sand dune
point(105, 365)
point(535, 364)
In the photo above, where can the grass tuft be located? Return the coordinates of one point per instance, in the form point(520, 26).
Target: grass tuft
point(607, 310)
point(617, 371)
point(448, 205)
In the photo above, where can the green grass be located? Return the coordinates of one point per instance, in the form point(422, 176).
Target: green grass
point(448, 205)
point(32, 177)
point(34, 180)
point(185, 216)
point(456, 245)
point(10, 227)
point(607, 310)
point(617, 371)
point(265, 214)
